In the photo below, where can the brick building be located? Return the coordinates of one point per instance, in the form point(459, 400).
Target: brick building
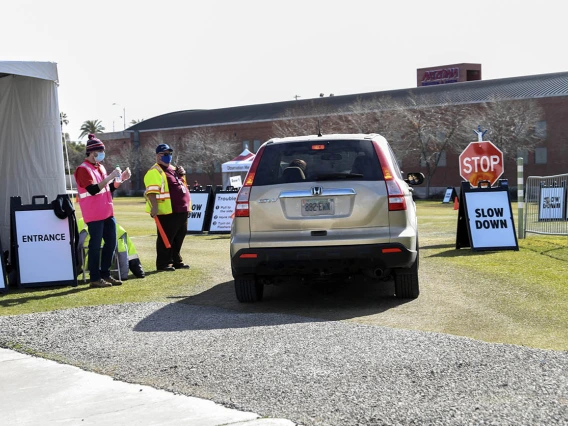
point(251, 125)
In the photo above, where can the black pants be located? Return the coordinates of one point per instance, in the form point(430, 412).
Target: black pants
point(175, 227)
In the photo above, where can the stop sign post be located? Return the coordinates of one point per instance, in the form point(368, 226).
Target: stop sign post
point(481, 161)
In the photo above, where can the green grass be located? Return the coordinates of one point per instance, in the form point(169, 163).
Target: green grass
point(524, 294)
point(164, 286)
point(518, 297)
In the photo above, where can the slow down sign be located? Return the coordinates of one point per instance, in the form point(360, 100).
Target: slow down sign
point(490, 220)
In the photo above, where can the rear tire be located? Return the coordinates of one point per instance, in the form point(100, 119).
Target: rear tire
point(248, 289)
point(406, 284)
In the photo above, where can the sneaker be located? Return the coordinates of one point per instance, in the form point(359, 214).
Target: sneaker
point(166, 268)
point(100, 284)
point(181, 265)
point(113, 281)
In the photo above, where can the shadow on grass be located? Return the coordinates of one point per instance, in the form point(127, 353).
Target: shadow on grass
point(437, 246)
point(35, 294)
point(218, 308)
point(460, 253)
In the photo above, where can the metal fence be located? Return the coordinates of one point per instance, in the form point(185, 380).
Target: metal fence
point(545, 205)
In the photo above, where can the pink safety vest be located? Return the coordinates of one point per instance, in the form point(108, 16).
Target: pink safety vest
point(98, 206)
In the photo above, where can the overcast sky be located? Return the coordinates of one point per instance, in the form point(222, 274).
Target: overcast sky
point(152, 58)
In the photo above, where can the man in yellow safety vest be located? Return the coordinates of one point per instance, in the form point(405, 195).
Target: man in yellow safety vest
point(168, 201)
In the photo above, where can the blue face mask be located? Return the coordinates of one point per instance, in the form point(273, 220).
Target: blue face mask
point(99, 156)
point(167, 159)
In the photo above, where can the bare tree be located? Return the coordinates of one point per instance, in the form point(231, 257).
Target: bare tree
point(129, 155)
point(378, 115)
point(511, 125)
point(428, 127)
point(206, 149)
point(417, 127)
point(309, 118)
point(367, 116)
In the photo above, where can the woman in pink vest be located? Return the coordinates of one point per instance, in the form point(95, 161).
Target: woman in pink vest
point(95, 200)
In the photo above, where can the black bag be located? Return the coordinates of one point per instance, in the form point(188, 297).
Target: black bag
point(63, 208)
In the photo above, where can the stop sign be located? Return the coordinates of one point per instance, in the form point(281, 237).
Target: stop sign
point(481, 161)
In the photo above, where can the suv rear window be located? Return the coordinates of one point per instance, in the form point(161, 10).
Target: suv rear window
point(318, 161)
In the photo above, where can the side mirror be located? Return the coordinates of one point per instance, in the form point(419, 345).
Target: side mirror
point(414, 178)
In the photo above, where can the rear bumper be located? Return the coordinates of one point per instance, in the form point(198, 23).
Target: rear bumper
point(321, 260)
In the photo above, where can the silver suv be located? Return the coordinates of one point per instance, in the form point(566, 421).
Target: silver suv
point(321, 206)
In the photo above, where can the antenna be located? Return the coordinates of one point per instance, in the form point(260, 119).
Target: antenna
point(319, 129)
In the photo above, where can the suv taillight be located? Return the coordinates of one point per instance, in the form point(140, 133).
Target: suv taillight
point(242, 208)
point(397, 201)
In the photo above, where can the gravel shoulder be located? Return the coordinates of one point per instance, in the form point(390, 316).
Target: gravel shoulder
point(313, 372)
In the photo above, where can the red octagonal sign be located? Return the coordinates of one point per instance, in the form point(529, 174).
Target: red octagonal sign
point(481, 161)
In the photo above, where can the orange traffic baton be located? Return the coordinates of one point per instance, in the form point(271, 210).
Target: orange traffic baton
point(162, 232)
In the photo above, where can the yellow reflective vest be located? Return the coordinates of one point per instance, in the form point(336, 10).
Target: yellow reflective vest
point(156, 182)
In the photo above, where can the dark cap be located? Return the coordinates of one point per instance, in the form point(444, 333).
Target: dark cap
point(163, 147)
point(94, 144)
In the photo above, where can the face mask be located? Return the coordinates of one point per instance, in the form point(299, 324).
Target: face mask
point(99, 156)
point(167, 159)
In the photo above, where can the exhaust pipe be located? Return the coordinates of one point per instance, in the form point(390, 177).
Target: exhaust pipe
point(378, 272)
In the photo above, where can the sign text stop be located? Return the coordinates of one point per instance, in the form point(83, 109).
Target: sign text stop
point(481, 161)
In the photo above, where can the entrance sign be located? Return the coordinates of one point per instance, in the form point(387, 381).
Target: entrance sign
point(487, 215)
point(222, 212)
point(481, 161)
point(43, 245)
point(551, 203)
point(200, 208)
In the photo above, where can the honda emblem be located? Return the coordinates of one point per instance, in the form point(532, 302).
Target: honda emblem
point(317, 190)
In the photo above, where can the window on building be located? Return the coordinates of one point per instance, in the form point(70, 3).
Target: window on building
point(217, 167)
point(442, 159)
point(540, 155)
point(540, 129)
point(523, 153)
point(246, 145)
point(256, 145)
point(199, 170)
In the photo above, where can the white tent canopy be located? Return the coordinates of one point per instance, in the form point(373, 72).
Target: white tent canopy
point(30, 136)
point(238, 166)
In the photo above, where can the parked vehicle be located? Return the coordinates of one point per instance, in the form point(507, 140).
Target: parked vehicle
point(325, 206)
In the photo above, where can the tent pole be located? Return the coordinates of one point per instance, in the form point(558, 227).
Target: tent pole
point(68, 168)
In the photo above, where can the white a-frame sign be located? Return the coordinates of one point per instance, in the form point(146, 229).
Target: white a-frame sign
point(487, 216)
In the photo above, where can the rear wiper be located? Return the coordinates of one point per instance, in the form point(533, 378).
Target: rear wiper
point(333, 176)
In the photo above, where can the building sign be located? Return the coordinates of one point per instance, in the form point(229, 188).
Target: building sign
point(442, 76)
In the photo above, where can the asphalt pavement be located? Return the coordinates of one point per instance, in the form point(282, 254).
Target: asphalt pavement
point(36, 391)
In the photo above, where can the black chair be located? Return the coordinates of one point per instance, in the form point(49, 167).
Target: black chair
point(293, 174)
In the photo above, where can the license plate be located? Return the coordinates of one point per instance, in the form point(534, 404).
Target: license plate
point(318, 206)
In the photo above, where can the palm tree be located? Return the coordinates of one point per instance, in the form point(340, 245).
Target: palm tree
point(133, 122)
point(91, 126)
point(63, 119)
